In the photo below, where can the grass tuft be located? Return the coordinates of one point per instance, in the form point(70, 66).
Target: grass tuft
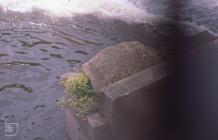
point(82, 97)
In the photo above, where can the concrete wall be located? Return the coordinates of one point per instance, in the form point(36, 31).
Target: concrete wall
point(130, 109)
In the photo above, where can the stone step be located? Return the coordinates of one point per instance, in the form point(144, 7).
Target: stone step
point(99, 128)
point(73, 126)
point(125, 87)
point(94, 127)
point(132, 104)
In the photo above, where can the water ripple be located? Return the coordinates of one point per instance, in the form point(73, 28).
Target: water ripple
point(21, 86)
point(33, 44)
point(20, 63)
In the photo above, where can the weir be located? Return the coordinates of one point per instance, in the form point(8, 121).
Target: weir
point(43, 39)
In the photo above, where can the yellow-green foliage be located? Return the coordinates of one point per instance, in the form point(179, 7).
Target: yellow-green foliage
point(79, 86)
point(82, 96)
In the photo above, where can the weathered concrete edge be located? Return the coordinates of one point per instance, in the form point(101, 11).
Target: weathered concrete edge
point(141, 79)
point(73, 126)
point(94, 127)
point(123, 102)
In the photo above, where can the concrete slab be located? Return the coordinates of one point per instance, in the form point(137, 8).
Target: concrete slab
point(132, 105)
point(99, 128)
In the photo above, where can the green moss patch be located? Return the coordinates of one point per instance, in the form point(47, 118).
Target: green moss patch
point(81, 96)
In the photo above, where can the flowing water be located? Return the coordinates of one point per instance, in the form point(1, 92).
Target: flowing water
point(200, 12)
point(41, 39)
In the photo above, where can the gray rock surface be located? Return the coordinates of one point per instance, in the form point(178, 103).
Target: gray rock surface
point(118, 62)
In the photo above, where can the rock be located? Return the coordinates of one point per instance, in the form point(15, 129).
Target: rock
point(118, 62)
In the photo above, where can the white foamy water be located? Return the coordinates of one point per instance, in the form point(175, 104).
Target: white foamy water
point(119, 9)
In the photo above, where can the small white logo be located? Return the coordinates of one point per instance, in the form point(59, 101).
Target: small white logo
point(11, 129)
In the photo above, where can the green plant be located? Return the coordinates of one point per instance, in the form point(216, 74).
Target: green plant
point(82, 97)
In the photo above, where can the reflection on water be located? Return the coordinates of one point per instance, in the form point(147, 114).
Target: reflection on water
point(56, 55)
point(3, 55)
point(33, 44)
point(13, 63)
point(82, 52)
point(26, 89)
point(20, 52)
point(72, 61)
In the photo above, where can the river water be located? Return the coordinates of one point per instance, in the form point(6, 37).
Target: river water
point(41, 39)
point(200, 12)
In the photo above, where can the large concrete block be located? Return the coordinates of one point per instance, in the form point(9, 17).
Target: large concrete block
point(132, 105)
point(94, 127)
point(118, 62)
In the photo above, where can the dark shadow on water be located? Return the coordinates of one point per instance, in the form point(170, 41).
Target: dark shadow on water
point(185, 107)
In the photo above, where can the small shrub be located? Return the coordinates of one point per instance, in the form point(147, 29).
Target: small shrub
point(82, 97)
